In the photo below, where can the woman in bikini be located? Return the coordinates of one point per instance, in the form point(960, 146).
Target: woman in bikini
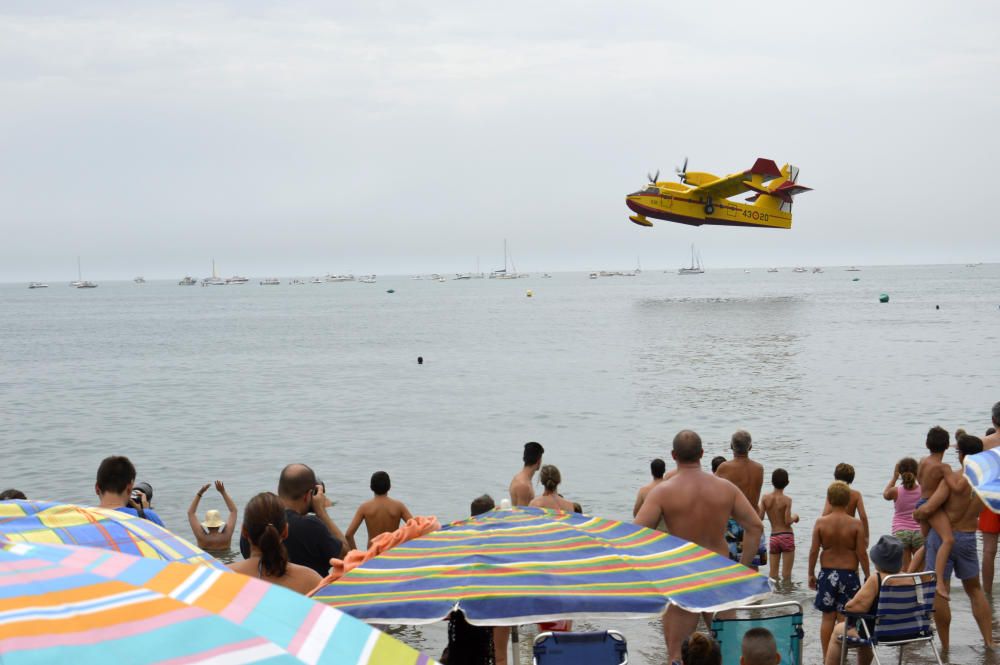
point(264, 525)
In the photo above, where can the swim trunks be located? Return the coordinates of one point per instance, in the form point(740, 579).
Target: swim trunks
point(989, 521)
point(964, 558)
point(734, 537)
point(783, 541)
point(909, 538)
point(921, 501)
point(834, 587)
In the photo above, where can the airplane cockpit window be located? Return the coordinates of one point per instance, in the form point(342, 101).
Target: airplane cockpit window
point(652, 189)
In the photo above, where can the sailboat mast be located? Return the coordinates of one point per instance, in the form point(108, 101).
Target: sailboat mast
point(505, 255)
point(79, 272)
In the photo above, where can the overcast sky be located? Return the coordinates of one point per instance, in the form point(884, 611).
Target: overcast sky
point(297, 138)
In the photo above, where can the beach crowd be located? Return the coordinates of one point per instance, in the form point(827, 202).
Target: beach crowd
point(288, 537)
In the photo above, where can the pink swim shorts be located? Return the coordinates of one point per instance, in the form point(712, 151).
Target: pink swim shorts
point(782, 542)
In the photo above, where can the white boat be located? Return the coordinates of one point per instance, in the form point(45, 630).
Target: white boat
point(81, 283)
point(799, 269)
point(139, 280)
point(214, 280)
point(315, 280)
point(853, 269)
point(817, 270)
point(237, 279)
point(466, 275)
point(504, 273)
point(772, 270)
point(296, 282)
point(546, 275)
point(270, 281)
point(340, 278)
point(746, 272)
point(187, 281)
point(367, 279)
point(695, 268)
point(593, 275)
point(973, 265)
point(38, 285)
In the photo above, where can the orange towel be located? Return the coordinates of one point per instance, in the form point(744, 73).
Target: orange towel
point(414, 528)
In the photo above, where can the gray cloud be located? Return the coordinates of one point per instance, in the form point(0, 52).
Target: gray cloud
point(403, 137)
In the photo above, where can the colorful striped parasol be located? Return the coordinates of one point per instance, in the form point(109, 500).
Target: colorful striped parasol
point(983, 472)
point(81, 605)
point(54, 523)
point(510, 567)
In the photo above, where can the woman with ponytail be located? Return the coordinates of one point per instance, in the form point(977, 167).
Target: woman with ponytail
point(265, 526)
point(700, 649)
point(905, 496)
point(551, 499)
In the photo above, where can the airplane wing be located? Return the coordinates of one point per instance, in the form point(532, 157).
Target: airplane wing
point(734, 184)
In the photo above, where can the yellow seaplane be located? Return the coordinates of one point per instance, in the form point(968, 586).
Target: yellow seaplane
point(703, 198)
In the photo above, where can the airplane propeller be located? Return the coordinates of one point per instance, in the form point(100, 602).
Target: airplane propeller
point(653, 178)
point(682, 171)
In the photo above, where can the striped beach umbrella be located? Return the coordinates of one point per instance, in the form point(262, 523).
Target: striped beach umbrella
point(55, 523)
point(983, 472)
point(510, 567)
point(64, 604)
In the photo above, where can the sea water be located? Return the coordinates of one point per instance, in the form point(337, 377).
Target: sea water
point(232, 383)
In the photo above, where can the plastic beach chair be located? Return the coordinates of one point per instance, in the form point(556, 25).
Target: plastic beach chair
point(605, 647)
point(903, 616)
point(784, 620)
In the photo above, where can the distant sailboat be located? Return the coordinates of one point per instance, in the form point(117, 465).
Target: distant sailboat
point(214, 280)
point(695, 268)
point(80, 282)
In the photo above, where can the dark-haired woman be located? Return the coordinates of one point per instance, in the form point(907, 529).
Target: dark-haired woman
point(264, 525)
point(905, 496)
point(551, 499)
point(700, 649)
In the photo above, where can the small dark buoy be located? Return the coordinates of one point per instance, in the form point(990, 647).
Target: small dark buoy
point(420, 360)
point(884, 297)
point(390, 290)
point(856, 279)
point(937, 306)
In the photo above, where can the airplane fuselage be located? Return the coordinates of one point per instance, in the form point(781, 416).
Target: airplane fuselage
point(677, 206)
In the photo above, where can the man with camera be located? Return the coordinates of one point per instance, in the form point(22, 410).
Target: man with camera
point(313, 538)
point(117, 489)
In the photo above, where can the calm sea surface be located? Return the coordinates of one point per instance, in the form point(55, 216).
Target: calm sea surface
point(196, 384)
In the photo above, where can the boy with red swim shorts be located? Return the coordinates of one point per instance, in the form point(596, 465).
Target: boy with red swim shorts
point(778, 508)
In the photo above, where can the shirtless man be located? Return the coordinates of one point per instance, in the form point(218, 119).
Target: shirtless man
point(521, 492)
point(956, 498)
point(856, 504)
point(657, 467)
point(380, 514)
point(696, 505)
point(930, 471)
point(989, 522)
point(749, 477)
point(778, 508)
point(842, 541)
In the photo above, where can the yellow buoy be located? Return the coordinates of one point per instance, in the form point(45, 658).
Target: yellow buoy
point(529, 293)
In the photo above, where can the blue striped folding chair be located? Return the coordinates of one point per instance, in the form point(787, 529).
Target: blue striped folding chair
point(903, 616)
point(603, 647)
point(784, 620)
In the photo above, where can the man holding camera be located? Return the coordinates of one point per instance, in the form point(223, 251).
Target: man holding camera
point(313, 539)
point(117, 489)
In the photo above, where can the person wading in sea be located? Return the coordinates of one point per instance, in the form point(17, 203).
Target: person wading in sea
point(521, 492)
point(696, 506)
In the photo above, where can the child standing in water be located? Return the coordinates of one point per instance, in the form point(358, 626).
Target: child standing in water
point(380, 514)
point(905, 497)
point(778, 508)
point(841, 539)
